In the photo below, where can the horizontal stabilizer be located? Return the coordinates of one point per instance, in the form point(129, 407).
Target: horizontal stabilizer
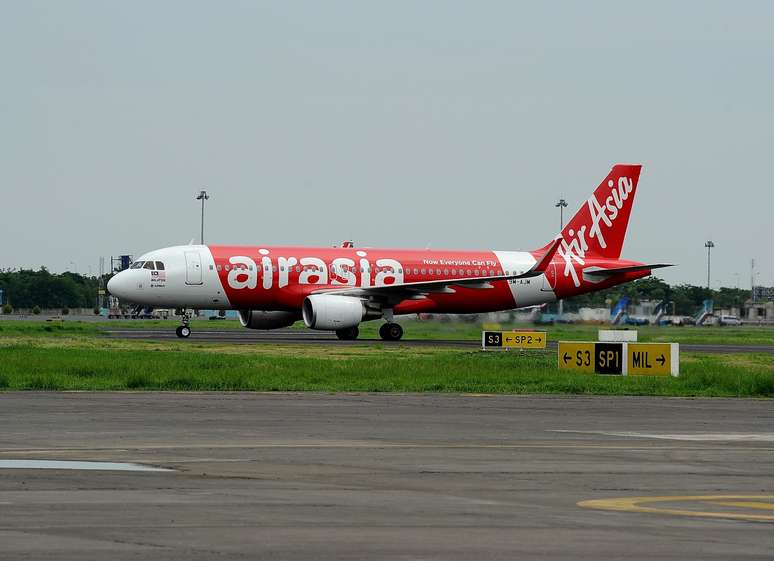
point(600, 273)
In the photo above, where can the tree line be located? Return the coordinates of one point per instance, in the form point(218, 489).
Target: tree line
point(27, 289)
point(687, 298)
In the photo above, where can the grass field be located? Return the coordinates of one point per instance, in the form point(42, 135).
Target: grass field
point(75, 356)
point(435, 330)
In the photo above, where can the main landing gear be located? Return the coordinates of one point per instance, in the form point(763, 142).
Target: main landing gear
point(184, 331)
point(348, 334)
point(391, 332)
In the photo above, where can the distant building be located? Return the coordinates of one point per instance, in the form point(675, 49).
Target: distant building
point(763, 294)
point(760, 308)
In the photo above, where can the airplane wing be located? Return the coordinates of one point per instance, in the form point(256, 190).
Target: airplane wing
point(416, 290)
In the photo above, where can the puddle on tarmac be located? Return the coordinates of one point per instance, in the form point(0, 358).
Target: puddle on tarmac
point(63, 464)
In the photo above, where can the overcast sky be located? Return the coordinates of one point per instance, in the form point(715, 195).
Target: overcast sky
point(400, 124)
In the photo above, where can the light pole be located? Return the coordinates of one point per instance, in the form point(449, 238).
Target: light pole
point(202, 196)
point(709, 245)
point(562, 204)
point(75, 266)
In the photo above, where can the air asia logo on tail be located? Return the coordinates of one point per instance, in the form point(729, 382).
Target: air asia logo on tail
point(599, 227)
point(613, 203)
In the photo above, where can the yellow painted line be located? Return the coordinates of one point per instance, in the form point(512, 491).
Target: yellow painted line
point(635, 504)
point(746, 504)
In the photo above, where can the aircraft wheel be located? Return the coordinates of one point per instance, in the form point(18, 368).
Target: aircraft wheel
point(348, 334)
point(183, 331)
point(391, 332)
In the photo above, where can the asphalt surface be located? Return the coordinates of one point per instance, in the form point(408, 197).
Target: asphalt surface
point(302, 337)
point(310, 476)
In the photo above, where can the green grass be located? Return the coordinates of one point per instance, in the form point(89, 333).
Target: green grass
point(54, 328)
point(437, 330)
point(177, 367)
point(74, 355)
point(414, 329)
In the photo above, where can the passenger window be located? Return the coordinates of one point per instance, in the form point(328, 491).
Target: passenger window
point(149, 265)
point(160, 266)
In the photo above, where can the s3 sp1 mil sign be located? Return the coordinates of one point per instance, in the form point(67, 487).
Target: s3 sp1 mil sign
point(627, 359)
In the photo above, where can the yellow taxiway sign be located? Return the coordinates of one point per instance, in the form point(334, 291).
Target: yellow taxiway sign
point(650, 359)
point(513, 340)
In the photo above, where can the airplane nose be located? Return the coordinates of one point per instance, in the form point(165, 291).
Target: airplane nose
point(117, 285)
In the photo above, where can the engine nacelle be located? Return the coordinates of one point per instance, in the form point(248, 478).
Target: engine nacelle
point(260, 319)
point(331, 312)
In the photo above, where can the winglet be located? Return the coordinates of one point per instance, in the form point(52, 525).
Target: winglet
point(541, 266)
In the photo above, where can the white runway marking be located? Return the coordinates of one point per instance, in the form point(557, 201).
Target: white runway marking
point(692, 437)
point(62, 464)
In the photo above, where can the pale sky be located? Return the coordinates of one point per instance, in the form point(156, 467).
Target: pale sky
point(399, 124)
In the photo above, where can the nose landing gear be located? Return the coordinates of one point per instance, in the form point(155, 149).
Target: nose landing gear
point(184, 331)
point(391, 331)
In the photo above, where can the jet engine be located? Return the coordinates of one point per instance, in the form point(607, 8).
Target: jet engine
point(331, 312)
point(261, 319)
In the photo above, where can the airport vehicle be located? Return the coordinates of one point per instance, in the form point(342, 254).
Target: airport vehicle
point(335, 289)
point(729, 320)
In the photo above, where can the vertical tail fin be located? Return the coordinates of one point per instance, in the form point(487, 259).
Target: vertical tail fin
point(599, 227)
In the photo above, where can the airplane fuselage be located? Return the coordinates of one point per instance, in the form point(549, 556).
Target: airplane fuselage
point(280, 278)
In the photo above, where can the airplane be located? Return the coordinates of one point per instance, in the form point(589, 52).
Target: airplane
point(338, 288)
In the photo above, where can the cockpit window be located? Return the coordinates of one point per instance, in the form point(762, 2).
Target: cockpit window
point(149, 265)
point(159, 266)
point(137, 265)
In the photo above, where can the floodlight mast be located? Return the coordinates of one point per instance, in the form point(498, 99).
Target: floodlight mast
point(202, 196)
point(562, 204)
point(709, 245)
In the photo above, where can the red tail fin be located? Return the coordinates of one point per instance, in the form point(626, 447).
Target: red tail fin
point(599, 227)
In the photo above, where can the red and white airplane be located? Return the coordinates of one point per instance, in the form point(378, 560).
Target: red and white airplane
point(335, 289)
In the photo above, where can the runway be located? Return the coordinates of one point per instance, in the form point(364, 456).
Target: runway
point(361, 476)
point(304, 337)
